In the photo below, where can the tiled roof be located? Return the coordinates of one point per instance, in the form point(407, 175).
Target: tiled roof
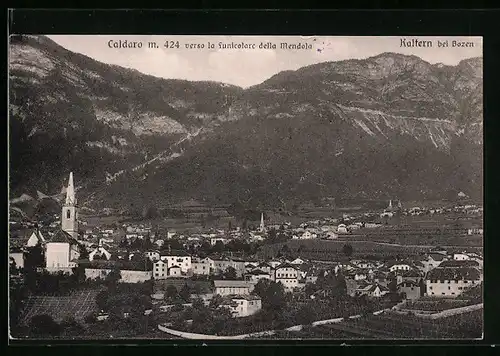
point(437, 256)
point(258, 272)
point(286, 265)
point(453, 273)
point(228, 283)
point(62, 236)
point(457, 264)
point(246, 297)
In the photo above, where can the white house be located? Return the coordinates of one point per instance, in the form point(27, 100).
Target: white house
point(183, 261)
point(399, 267)
point(174, 271)
point(160, 269)
point(342, 229)
point(101, 251)
point(35, 239)
point(203, 266)
point(228, 287)
point(460, 256)
point(288, 275)
point(243, 305)
point(297, 261)
point(450, 281)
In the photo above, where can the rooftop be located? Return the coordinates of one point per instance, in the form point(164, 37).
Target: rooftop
point(231, 283)
point(453, 273)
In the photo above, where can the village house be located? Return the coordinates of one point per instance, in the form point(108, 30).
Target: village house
point(16, 255)
point(35, 238)
point(179, 259)
point(372, 290)
point(175, 271)
point(153, 255)
point(342, 229)
point(101, 252)
point(451, 281)
point(397, 266)
point(228, 287)
point(160, 269)
point(460, 256)
point(288, 275)
point(203, 266)
point(409, 290)
point(242, 305)
point(257, 275)
point(432, 260)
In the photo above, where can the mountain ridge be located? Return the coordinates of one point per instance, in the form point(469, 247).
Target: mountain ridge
point(287, 135)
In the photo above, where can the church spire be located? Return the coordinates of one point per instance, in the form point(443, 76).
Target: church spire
point(262, 227)
point(70, 192)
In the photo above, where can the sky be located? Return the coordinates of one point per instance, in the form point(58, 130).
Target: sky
point(251, 66)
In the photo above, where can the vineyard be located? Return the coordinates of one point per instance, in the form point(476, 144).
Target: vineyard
point(390, 326)
point(77, 305)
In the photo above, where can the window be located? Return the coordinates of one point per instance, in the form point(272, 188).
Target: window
point(442, 293)
point(432, 293)
point(466, 281)
point(431, 289)
point(449, 287)
point(68, 214)
point(449, 282)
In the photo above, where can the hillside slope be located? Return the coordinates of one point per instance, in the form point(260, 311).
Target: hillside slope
point(386, 126)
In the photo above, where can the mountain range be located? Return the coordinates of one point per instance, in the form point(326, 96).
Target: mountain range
point(389, 126)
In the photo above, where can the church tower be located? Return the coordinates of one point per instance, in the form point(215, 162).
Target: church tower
point(69, 216)
point(262, 227)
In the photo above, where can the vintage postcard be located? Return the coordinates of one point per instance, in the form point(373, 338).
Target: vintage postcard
point(245, 187)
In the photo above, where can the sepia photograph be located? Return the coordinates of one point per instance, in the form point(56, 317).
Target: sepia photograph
point(245, 187)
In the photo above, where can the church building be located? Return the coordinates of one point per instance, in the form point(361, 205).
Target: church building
point(62, 250)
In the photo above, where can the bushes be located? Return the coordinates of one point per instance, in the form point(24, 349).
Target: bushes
point(43, 325)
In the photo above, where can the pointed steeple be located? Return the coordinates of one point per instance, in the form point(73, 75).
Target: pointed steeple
point(70, 192)
point(390, 204)
point(262, 227)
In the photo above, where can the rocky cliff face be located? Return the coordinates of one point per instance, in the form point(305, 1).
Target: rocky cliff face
point(384, 126)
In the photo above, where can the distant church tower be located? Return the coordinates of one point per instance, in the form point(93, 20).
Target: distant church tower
point(262, 227)
point(390, 204)
point(69, 216)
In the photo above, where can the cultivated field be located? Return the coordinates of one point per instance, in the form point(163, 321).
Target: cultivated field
point(390, 326)
point(77, 305)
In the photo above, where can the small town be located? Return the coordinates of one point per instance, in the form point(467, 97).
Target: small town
point(122, 280)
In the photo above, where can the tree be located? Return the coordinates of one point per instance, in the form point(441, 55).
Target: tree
point(44, 325)
point(101, 300)
point(347, 250)
point(34, 258)
point(171, 293)
point(216, 301)
point(305, 315)
point(78, 275)
point(114, 276)
point(285, 251)
point(84, 254)
point(198, 304)
point(185, 293)
point(230, 273)
point(271, 234)
point(218, 247)
point(71, 328)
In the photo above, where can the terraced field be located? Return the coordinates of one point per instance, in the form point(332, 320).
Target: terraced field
point(390, 326)
point(77, 305)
